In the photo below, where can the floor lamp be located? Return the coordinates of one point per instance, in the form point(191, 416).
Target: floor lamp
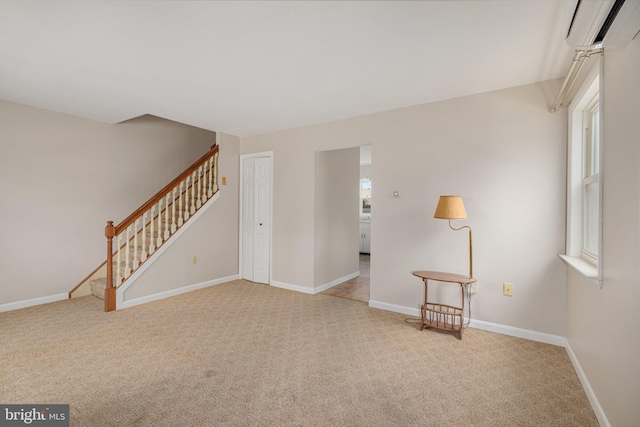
point(451, 207)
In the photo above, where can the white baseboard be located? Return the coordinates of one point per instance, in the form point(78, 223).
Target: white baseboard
point(316, 290)
point(291, 287)
point(333, 283)
point(595, 404)
point(518, 332)
point(479, 324)
point(395, 308)
point(10, 306)
point(173, 292)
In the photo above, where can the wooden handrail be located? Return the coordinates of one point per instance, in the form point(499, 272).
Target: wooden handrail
point(162, 193)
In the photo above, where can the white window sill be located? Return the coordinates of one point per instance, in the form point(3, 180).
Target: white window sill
point(582, 266)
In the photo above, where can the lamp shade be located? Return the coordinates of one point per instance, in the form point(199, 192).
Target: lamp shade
point(450, 207)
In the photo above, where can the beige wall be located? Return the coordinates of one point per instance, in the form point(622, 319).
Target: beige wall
point(336, 219)
point(293, 208)
point(63, 177)
point(213, 238)
point(604, 324)
point(502, 151)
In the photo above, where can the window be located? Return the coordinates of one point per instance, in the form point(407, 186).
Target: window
point(590, 180)
point(365, 196)
point(584, 183)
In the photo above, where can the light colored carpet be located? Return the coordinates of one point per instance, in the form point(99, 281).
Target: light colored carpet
point(242, 354)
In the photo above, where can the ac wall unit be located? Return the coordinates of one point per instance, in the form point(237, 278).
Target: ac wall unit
point(603, 23)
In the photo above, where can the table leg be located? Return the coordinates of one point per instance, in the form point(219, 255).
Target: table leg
point(424, 304)
point(462, 312)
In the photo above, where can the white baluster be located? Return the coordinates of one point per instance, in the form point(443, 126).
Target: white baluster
point(205, 181)
point(166, 217)
point(200, 174)
point(187, 209)
point(136, 261)
point(127, 261)
point(193, 194)
point(144, 255)
point(152, 246)
point(203, 178)
point(173, 210)
point(159, 223)
point(215, 173)
point(118, 260)
point(209, 177)
point(181, 206)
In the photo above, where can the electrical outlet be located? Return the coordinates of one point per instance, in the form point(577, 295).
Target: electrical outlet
point(194, 260)
point(473, 288)
point(224, 180)
point(507, 289)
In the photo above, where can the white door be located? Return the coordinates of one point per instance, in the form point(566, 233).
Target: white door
point(256, 219)
point(248, 184)
point(262, 220)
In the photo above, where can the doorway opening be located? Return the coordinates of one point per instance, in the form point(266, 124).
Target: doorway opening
point(358, 288)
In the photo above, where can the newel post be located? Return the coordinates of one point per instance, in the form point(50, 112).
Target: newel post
point(110, 291)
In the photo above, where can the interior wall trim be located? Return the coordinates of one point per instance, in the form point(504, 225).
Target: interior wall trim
point(395, 308)
point(173, 292)
point(482, 325)
point(331, 284)
point(290, 287)
point(595, 404)
point(10, 306)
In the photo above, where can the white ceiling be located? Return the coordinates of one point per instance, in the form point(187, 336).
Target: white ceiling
point(251, 67)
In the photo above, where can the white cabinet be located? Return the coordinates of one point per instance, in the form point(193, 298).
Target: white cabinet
point(365, 237)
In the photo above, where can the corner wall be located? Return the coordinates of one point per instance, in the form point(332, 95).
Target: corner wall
point(604, 324)
point(63, 177)
point(336, 216)
point(502, 151)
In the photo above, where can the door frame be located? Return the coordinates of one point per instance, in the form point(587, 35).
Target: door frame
point(243, 157)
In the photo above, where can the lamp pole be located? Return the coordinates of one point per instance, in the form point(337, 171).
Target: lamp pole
point(470, 247)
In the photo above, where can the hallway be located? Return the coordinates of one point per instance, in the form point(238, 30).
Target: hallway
point(356, 288)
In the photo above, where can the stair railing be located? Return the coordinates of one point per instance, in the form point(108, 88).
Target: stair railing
point(152, 224)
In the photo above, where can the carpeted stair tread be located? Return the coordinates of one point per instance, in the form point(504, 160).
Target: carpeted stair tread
point(98, 286)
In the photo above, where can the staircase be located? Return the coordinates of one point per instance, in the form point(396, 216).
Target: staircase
point(136, 239)
point(139, 252)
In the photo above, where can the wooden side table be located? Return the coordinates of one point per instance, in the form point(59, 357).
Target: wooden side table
point(442, 316)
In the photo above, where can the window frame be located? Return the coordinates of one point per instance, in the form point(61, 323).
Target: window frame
point(588, 96)
point(363, 210)
point(590, 175)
